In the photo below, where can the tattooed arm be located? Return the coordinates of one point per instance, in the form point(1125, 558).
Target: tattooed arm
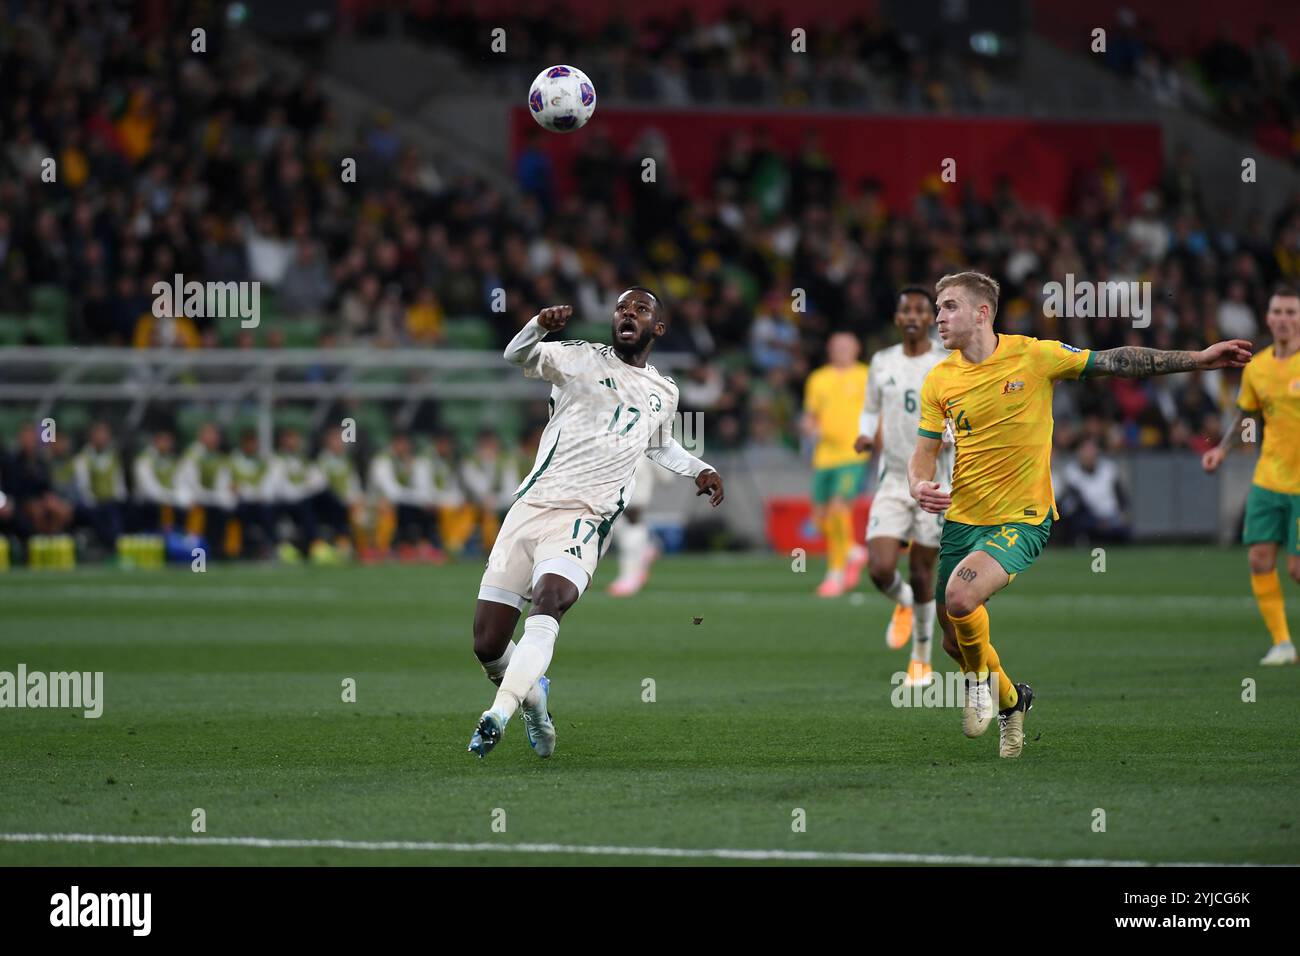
point(1233, 437)
point(1132, 361)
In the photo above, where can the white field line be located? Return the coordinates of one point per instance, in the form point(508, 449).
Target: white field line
point(250, 593)
point(544, 849)
point(1098, 603)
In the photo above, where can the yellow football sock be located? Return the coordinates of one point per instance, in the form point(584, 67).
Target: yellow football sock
point(979, 655)
point(1007, 693)
point(1268, 594)
point(836, 546)
point(844, 516)
point(385, 529)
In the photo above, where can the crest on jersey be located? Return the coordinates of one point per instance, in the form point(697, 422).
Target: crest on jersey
point(656, 403)
point(1294, 386)
point(1010, 387)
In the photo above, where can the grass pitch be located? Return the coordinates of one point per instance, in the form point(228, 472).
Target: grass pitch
point(223, 691)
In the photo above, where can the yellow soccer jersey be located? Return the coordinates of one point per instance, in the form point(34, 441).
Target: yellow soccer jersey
point(1272, 385)
point(1000, 413)
point(834, 398)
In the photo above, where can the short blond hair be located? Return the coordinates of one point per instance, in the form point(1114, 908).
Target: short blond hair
point(985, 288)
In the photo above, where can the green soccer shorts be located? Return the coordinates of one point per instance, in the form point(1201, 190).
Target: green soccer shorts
point(1272, 517)
point(843, 481)
point(1014, 546)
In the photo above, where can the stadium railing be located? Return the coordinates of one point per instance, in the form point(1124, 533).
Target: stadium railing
point(473, 385)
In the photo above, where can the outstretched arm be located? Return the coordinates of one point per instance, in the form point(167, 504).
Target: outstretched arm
point(671, 455)
point(1132, 361)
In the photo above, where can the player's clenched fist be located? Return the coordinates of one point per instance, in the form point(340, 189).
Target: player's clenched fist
point(1212, 459)
point(931, 497)
point(709, 482)
point(553, 317)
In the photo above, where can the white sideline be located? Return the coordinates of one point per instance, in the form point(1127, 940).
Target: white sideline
point(815, 856)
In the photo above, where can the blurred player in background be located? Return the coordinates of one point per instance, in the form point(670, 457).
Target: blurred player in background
point(888, 426)
point(490, 476)
point(61, 461)
point(101, 484)
point(404, 485)
point(832, 403)
point(297, 483)
point(38, 508)
point(254, 484)
point(454, 515)
point(205, 477)
point(1270, 386)
point(341, 504)
point(610, 409)
point(994, 392)
point(632, 537)
point(159, 500)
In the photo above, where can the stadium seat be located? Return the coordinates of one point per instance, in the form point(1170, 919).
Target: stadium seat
point(374, 425)
point(301, 333)
point(295, 416)
point(11, 329)
point(46, 329)
point(269, 308)
point(50, 301)
point(469, 333)
point(591, 331)
point(73, 419)
point(11, 418)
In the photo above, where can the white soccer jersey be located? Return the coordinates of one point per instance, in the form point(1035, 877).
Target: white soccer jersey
point(894, 399)
point(605, 416)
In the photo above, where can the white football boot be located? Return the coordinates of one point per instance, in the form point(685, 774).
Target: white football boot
point(978, 712)
point(538, 723)
point(1279, 654)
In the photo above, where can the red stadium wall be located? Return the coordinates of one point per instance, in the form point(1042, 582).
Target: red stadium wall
point(1181, 26)
point(594, 14)
point(1043, 159)
point(788, 521)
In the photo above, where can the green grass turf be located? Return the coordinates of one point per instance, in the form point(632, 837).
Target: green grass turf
point(223, 692)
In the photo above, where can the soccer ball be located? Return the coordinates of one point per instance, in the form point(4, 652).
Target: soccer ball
point(562, 99)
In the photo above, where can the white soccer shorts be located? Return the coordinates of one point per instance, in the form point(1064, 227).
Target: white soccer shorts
point(895, 514)
point(532, 534)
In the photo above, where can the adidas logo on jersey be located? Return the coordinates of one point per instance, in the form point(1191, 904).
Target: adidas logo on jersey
point(576, 551)
point(609, 383)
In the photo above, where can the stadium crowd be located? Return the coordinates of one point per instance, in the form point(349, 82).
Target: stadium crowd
point(674, 58)
point(1253, 90)
point(216, 168)
point(420, 499)
point(677, 59)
